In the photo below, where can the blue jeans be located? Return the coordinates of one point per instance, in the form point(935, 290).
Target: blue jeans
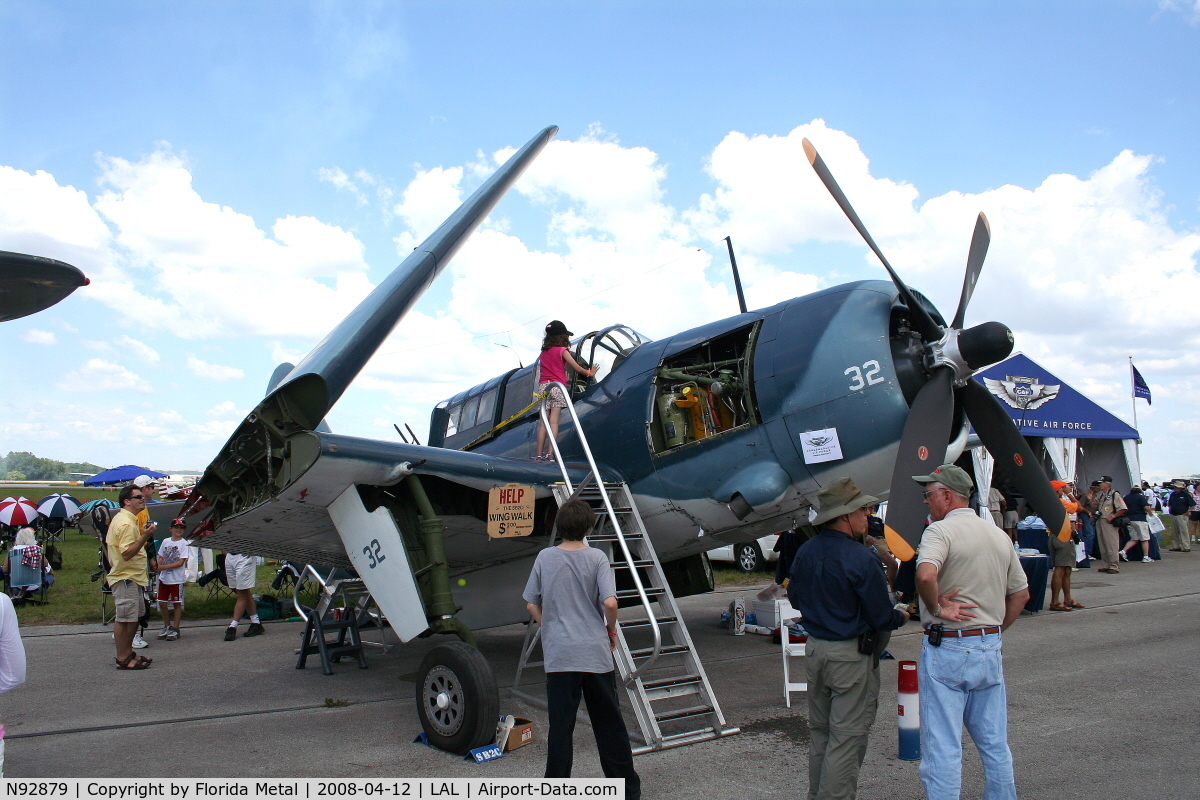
point(962, 683)
point(1089, 534)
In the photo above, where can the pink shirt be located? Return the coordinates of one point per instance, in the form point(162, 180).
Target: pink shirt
point(553, 367)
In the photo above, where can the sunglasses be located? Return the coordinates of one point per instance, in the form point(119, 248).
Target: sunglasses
point(137, 497)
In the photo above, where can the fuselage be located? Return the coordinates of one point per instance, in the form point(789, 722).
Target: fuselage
point(827, 372)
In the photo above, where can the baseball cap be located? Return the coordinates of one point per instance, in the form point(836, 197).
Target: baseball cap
point(954, 478)
point(555, 328)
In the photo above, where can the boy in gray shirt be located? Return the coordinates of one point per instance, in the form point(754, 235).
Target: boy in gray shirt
point(572, 596)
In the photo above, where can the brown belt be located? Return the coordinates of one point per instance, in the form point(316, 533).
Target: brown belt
point(959, 633)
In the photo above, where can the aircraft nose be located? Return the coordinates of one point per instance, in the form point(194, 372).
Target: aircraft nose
point(985, 344)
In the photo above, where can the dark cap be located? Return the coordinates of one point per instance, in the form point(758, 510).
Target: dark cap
point(1095, 484)
point(1105, 478)
point(178, 523)
point(556, 328)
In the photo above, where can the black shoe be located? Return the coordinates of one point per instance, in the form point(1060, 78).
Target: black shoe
point(254, 630)
point(230, 633)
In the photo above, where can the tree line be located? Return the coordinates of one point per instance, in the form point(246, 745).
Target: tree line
point(28, 467)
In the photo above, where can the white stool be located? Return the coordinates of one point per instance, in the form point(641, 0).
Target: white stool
point(789, 651)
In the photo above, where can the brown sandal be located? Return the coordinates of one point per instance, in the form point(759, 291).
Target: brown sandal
point(1074, 604)
point(132, 661)
point(1060, 607)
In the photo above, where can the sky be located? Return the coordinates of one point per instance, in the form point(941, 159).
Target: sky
point(234, 177)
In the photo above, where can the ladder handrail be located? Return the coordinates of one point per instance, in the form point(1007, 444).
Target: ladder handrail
point(612, 516)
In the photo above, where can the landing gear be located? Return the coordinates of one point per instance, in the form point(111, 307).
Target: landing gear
point(457, 698)
point(748, 557)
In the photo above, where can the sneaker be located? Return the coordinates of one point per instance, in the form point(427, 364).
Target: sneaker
point(165, 633)
point(139, 642)
point(172, 634)
point(1147, 560)
point(1123, 556)
point(255, 629)
point(230, 633)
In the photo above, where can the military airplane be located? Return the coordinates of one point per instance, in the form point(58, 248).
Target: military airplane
point(29, 284)
point(723, 433)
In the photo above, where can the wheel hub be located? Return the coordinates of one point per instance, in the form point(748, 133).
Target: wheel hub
point(444, 700)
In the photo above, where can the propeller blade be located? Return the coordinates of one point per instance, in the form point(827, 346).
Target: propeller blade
point(922, 449)
point(1013, 456)
point(929, 329)
point(317, 382)
point(979, 247)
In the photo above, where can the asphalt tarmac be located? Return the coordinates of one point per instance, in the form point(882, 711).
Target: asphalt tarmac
point(1102, 704)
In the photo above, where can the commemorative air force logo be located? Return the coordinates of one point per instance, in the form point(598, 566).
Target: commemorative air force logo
point(1024, 394)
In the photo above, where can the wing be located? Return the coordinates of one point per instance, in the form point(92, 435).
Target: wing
point(29, 284)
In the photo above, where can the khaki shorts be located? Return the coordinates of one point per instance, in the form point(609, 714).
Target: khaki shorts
point(127, 597)
point(1139, 531)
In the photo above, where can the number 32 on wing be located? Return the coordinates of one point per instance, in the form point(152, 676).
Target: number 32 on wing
point(864, 376)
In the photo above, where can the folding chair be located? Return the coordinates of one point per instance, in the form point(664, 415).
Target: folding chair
point(216, 582)
point(790, 650)
point(22, 574)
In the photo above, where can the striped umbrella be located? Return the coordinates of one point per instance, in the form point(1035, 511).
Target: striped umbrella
point(58, 506)
point(104, 501)
point(17, 511)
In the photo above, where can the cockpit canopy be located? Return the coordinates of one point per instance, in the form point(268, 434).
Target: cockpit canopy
point(471, 414)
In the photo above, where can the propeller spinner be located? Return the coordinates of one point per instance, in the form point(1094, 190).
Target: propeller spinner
point(953, 354)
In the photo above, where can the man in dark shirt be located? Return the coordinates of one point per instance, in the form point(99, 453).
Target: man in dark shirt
point(1179, 503)
point(837, 585)
point(1139, 527)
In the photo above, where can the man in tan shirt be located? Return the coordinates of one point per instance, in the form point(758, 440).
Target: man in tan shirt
point(964, 563)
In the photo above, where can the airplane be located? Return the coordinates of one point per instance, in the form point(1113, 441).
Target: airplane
point(723, 433)
point(29, 284)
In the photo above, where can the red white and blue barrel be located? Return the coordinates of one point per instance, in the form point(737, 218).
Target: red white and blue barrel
point(909, 712)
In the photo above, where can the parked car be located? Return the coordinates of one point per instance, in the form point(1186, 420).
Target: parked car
point(748, 556)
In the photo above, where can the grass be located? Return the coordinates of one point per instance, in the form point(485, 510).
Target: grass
point(74, 599)
point(728, 576)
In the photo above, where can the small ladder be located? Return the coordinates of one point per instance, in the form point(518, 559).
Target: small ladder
point(667, 686)
point(349, 592)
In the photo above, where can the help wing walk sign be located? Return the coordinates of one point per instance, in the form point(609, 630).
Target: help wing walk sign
point(510, 511)
point(820, 446)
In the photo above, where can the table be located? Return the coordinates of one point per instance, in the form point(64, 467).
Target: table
point(1037, 569)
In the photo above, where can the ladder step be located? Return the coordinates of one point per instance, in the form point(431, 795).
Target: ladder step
point(665, 650)
point(664, 683)
point(636, 564)
point(683, 713)
point(612, 537)
point(632, 594)
point(645, 623)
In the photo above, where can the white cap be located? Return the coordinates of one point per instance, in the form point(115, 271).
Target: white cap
point(141, 481)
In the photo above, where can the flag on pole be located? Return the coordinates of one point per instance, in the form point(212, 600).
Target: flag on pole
point(1140, 389)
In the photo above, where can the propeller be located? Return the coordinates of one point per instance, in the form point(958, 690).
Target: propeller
point(953, 354)
point(29, 284)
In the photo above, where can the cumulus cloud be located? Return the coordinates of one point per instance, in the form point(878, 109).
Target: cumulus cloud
point(208, 266)
point(212, 372)
point(142, 351)
point(99, 375)
point(34, 336)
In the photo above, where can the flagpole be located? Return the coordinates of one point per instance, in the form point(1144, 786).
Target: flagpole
point(1137, 443)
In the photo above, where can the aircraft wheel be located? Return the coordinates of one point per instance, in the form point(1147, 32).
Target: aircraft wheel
point(748, 557)
point(457, 698)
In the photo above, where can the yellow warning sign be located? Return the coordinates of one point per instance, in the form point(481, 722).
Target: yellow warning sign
point(510, 511)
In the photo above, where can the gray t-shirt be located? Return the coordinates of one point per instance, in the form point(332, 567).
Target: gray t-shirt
point(571, 587)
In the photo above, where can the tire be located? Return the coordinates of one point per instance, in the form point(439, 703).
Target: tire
point(747, 557)
point(457, 699)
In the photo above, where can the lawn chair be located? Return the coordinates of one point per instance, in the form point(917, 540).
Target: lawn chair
point(215, 582)
point(27, 580)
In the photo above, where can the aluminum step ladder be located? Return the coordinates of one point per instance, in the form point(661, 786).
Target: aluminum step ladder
point(668, 689)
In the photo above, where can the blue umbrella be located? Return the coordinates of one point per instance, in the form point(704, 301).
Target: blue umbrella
point(90, 504)
point(120, 475)
point(58, 506)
